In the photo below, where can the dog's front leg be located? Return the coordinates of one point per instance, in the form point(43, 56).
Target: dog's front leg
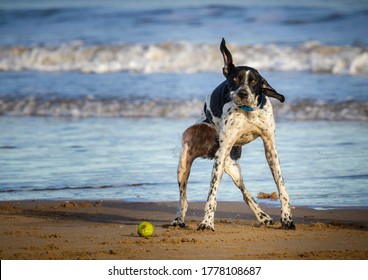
point(217, 172)
point(274, 164)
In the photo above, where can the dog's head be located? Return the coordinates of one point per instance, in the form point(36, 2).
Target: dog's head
point(245, 83)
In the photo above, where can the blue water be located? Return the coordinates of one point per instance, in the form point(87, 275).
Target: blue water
point(243, 22)
point(94, 96)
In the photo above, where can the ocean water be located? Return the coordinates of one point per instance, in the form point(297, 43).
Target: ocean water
point(94, 96)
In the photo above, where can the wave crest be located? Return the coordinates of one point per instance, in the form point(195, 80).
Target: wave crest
point(183, 57)
point(84, 108)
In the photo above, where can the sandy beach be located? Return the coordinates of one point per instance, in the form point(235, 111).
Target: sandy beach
point(106, 230)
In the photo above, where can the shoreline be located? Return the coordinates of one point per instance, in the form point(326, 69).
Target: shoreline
point(99, 229)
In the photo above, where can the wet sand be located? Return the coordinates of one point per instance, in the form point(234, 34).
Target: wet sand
point(104, 230)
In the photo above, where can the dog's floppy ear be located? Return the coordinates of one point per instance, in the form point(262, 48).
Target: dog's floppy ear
point(271, 92)
point(228, 59)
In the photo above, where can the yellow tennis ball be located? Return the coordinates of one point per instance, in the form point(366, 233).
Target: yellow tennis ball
point(145, 229)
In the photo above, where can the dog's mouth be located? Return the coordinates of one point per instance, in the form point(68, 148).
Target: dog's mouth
point(241, 97)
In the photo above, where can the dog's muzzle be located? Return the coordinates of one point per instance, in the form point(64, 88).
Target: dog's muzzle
point(242, 93)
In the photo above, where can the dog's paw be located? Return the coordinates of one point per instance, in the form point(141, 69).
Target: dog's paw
point(178, 223)
point(288, 225)
point(264, 223)
point(205, 226)
point(268, 222)
point(264, 219)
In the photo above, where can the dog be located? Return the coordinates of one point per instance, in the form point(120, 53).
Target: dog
point(237, 112)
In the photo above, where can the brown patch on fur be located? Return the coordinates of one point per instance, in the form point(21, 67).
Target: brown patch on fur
point(202, 141)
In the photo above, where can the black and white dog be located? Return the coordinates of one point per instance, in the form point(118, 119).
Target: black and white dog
point(237, 112)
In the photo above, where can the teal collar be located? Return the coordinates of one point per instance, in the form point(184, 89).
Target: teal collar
point(260, 106)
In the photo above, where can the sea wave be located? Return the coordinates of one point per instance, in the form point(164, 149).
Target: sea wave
point(68, 188)
point(350, 110)
point(184, 57)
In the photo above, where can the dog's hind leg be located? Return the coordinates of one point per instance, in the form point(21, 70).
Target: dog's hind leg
point(185, 164)
point(199, 140)
point(232, 168)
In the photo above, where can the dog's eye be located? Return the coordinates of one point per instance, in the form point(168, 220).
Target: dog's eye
point(253, 82)
point(238, 79)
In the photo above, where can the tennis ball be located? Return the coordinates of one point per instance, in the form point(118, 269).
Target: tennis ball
point(145, 229)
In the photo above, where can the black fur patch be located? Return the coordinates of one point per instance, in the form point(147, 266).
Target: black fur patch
point(235, 152)
point(220, 96)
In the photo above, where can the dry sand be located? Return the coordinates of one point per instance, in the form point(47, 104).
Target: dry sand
point(108, 230)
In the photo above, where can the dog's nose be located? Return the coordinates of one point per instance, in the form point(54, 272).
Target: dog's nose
point(242, 94)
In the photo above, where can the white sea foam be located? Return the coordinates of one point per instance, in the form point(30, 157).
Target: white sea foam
point(157, 108)
point(184, 57)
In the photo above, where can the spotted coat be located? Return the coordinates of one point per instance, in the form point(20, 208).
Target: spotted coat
point(237, 112)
